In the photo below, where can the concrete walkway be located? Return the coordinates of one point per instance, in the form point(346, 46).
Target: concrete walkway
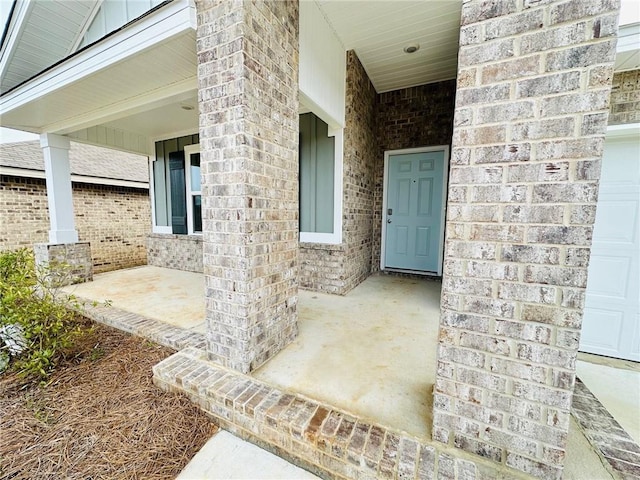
point(226, 456)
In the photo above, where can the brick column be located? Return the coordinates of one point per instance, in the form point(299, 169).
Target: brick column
point(248, 99)
point(531, 112)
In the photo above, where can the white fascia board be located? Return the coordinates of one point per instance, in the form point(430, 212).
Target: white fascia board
point(16, 26)
point(27, 173)
point(167, 22)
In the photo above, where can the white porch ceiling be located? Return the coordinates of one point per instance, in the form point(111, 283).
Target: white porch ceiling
point(163, 121)
point(378, 31)
point(167, 63)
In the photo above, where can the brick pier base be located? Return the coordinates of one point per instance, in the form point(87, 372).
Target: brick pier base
point(67, 263)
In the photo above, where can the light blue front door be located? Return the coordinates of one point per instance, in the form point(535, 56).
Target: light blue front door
point(414, 211)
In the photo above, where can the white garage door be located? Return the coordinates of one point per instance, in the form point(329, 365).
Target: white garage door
point(611, 323)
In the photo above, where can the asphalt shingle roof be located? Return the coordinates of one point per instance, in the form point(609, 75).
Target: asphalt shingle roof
point(86, 160)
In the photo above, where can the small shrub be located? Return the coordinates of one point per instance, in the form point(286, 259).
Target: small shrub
point(38, 321)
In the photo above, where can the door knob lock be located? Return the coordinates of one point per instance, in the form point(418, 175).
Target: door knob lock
point(388, 220)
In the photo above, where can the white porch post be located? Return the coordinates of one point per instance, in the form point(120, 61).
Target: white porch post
point(58, 175)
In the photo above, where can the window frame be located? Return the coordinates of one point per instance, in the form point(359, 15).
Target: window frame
point(188, 151)
point(164, 229)
point(334, 238)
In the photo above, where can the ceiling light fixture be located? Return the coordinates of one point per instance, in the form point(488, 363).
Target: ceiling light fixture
point(413, 48)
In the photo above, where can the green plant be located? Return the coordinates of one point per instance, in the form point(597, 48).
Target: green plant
point(38, 321)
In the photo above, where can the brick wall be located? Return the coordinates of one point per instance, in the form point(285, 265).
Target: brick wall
point(248, 101)
point(180, 252)
point(115, 220)
point(360, 150)
point(322, 268)
point(534, 82)
point(412, 117)
point(625, 98)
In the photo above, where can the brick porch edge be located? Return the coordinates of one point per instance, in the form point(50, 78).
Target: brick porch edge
point(322, 439)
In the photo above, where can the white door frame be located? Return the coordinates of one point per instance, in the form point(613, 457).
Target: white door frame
point(445, 178)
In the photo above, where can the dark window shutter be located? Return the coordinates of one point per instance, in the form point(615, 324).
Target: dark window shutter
point(178, 193)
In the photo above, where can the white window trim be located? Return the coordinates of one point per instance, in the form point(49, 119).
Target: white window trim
point(188, 151)
point(152, 195)
point(445, 178)
point(334, 238)
point(162, 229)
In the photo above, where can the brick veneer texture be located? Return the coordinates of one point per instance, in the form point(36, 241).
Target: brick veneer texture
point(114, 220)
point(75, 257)
point(248, 100)
point(625, 98)
point(180, 252)
point(412, 117)
point(360, 150)
point(534, 80)
point(322, 268)
point(338, 269)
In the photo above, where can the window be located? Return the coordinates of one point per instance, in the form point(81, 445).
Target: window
point(177, 199)
point(320, 181)
point(194, 195)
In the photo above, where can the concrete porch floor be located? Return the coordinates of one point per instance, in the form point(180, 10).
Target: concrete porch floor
point(371, 353)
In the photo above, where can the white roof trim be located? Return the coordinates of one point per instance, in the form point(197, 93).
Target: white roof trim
point(167, 22)
point(28, 173)
point(85, 27)
point(16, 25)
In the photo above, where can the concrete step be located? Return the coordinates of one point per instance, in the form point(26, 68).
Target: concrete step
point(226, 456)
point(324, 440)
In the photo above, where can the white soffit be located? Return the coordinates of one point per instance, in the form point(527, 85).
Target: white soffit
point(378, 31)
point(163, 121)
point(60, 22)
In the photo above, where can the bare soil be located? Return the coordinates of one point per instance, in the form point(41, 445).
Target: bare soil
point(99, 416)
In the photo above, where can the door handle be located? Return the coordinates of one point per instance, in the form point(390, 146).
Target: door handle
point(388, 220)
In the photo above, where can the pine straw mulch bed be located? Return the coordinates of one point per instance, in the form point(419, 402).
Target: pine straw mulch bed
point(99, 416)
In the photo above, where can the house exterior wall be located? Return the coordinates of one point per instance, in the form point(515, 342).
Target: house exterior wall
point(114, 220)
point(625, 98)
point(409, 118)
point(180, 252)
point(338, 268)
point(248, 104)
point(534, 82)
